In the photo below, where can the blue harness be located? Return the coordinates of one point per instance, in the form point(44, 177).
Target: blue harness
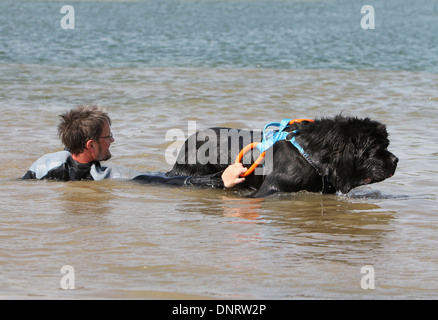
point(273, 136)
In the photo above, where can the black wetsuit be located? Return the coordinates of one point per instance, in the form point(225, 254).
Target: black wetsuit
point(61, 166)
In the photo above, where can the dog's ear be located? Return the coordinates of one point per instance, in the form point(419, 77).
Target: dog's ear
point(342, 169)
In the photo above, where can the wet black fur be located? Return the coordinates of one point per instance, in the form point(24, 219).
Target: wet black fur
point(348, 151)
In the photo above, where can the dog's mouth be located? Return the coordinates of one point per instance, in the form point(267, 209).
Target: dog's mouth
point(371, 180)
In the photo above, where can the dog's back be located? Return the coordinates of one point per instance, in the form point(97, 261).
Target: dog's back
point(212, 150)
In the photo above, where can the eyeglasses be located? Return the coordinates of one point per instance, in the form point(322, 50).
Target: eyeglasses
point(107, 137)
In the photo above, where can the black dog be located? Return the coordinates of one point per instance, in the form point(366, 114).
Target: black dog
point(333, 154)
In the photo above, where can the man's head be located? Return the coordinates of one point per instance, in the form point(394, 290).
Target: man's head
point(86, 130)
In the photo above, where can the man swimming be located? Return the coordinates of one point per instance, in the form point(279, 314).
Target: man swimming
point(86, 134)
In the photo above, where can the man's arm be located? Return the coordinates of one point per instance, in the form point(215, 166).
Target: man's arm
point(226, 179)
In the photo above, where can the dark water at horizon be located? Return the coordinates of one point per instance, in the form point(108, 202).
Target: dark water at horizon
point(223, 34)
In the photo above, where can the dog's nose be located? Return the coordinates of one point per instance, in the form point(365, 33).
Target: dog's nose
point(394, 159)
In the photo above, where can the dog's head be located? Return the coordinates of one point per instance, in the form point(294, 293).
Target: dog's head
point(361, 153)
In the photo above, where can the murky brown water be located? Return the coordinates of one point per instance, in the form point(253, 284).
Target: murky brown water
point(126, 240)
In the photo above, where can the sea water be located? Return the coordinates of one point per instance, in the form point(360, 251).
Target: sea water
point(167, 65)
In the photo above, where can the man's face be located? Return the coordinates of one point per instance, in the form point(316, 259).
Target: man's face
point(104, 143)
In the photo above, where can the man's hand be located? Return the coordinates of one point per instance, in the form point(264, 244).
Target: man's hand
point(231, 175)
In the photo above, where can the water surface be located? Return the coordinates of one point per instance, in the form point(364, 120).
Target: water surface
point(164, 65)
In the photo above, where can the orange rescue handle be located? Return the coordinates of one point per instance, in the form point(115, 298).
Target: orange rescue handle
point(255, 164)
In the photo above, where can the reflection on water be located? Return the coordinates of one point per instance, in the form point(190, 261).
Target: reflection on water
point(307, 220)
point(83, 198)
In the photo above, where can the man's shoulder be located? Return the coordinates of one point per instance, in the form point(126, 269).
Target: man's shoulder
point(48, 162)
